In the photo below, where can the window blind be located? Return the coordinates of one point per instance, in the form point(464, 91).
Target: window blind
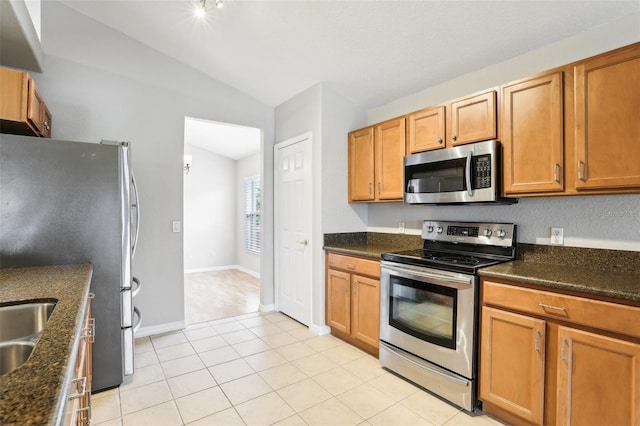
point(252, 214)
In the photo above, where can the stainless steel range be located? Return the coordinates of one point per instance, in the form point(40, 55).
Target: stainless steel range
point(429, 305)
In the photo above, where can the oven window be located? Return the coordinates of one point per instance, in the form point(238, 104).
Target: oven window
point(426, 311)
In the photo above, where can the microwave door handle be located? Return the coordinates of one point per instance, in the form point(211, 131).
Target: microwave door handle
point(467, 174)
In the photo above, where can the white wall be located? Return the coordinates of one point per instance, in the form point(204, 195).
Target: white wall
point(210, 212)
point(101, 84)
point(328, 117)
point(245, 167)
point(588, 221)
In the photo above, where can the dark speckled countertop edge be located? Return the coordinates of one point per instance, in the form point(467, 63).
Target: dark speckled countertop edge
point(596, 273)
point(48, 371)
point(370, 245)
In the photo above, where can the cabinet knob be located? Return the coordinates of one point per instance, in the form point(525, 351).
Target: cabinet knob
point(440, 140)
point(454, 137)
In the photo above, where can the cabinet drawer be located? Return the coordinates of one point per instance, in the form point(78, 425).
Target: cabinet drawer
point(607, 316)
point(354, 264)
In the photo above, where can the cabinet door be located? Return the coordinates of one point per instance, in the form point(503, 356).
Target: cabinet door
point(473, 119)
point(36, 110)
point(512, 353)
point(365, 309)
point(532, 135)
point(338, 300)
point(607, 120)
point(389, 155)
point(598, 380)
point(426, 130)
point(361, 165)
point(14, 91)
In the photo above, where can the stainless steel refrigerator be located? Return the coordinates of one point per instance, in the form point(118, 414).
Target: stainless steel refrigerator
point(64, 202)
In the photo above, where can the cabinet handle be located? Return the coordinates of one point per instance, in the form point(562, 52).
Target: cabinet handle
point(370, 187)
point(440, 141)
point(454, 137)
point(303, 242)
point(346, 287)
point(537, 340)
point(351, 266)
point(90, 332)
point(562, 352)
point(85, 420)
point(355, 288)
point(582, 171)
point(556, 172)
point(379, 188)
point(557, 308)
point(83, 392)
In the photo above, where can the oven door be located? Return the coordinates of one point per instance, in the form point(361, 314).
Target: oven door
point(429, 313)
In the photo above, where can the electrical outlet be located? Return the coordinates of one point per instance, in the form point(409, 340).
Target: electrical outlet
point(401, 227)
point(557, 236)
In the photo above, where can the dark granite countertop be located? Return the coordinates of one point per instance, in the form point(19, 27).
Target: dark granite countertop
point(35, 393)
point(606, 274)
point(370, 244)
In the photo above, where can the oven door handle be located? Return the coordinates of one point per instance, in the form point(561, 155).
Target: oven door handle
point(439, 279)
point(467, 174)
point(431, 370)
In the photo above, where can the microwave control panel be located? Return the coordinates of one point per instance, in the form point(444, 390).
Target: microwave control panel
point(482, 171)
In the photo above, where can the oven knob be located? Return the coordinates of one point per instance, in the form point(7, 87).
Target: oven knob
point(429, 228)
point(487, 233)
point(501, 233)
point(439, 230)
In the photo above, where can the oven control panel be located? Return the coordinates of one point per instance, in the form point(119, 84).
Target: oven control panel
point(496, 234)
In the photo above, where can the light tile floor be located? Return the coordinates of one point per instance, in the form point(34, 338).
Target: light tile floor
point(263, 369)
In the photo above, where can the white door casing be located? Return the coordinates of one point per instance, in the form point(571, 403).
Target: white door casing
point(293, 226)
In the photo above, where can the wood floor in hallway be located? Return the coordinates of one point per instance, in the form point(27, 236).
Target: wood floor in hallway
point(220, 294)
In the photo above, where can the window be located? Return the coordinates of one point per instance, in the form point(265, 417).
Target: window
point(252, 214)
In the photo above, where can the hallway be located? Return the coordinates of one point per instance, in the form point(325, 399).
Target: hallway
point(219, 294)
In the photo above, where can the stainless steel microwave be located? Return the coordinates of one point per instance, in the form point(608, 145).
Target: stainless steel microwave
point(466, 174)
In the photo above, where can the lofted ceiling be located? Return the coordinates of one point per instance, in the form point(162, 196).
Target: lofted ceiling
point(371, 52)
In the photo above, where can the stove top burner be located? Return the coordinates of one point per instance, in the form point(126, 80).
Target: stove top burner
point(442, 260)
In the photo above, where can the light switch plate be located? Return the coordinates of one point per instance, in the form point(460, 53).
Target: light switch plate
point(175, 226)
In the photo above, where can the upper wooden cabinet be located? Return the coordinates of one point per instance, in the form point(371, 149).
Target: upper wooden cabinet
point(532, 135)
point(22, 109)
point(361, 165)
point(607, 120)
point(465, 120)
point(472, 119)
point(376, 162)
point(426, 130)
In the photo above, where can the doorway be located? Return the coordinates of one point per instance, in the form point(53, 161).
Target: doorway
point(221, 258)
point(293, 222)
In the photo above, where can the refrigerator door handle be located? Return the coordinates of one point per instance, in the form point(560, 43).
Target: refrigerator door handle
point(135, 290)
point(138, 323)
point(127, 307)
point(136, 206)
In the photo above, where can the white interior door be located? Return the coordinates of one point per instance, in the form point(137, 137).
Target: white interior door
point(293, 224)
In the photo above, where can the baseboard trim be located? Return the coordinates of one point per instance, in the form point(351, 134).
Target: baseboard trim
point(320, 330)
point(223, 268)
point(159, 329)
point(266, 308)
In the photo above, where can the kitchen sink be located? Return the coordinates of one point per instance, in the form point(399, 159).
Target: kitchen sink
point(14, 354)
point(25, 321)
point(20, 329)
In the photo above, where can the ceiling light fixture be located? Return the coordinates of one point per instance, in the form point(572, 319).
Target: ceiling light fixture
point(200, 9)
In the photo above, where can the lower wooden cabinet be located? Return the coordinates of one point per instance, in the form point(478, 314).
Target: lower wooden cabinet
point(512, 347)
point(80, 398)
point(353, 300)
point(558, 360)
